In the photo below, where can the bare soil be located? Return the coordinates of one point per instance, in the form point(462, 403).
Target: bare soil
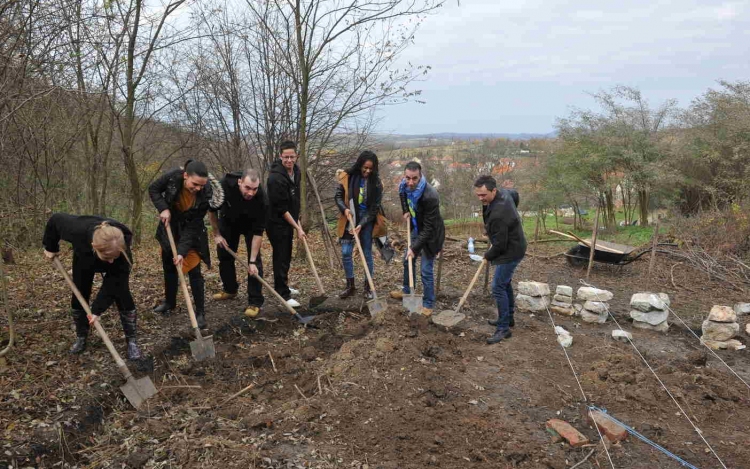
point(390, 392)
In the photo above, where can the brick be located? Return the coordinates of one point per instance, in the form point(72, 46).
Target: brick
point(612, 431)
point(565, 430)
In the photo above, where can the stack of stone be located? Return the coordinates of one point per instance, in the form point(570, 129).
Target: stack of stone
point(743, 309)
point(650, 311)
point(720, 328)
point(562, 302)
point(533, 297)
point(596, 306)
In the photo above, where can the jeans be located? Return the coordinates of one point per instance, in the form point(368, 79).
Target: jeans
point(502, 290)
point(347, 249)
point(428, 280)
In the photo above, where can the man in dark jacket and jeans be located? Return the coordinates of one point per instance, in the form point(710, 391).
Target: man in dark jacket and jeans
point(421, 206)
point(284, 202)
point(508, 247)
point(243, 213)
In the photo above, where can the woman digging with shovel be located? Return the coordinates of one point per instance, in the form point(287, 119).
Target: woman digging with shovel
point(359, 194)
point(99, 245)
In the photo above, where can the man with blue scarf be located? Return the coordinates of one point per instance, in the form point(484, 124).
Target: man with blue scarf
point(421, 205)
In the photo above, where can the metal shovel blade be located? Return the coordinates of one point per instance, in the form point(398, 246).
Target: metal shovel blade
point(412, 302)
point(317, 300)
point(376, 306)
point(303, 319)
point(138, 390)
point(203, 348)
point(448, 318)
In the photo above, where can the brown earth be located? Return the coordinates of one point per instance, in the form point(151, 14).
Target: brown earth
point(385, 393)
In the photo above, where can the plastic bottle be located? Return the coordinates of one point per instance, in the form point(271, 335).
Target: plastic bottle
point(471, 245)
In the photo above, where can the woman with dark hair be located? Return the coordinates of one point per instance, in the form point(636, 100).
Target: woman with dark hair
point(99, 245)
point(183, 196)
point(359, 193)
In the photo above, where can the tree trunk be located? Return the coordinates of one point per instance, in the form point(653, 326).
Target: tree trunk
point(643, 203)
point(304, 84)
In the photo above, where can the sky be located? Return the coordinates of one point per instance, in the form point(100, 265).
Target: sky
point(502, 66)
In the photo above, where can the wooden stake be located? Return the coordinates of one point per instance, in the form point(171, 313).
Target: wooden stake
point(654, 242)
point(486, 277)
point(439, 273)
point(593, 241)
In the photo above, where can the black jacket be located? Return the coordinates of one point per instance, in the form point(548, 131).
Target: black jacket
point(188, 228)
point(504, 229)
point(283, 193)
point(249, 216)
point(430, 226)
point(373, 198)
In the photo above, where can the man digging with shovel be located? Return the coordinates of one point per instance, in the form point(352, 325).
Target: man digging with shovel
point(242, 213)
point(421, 206)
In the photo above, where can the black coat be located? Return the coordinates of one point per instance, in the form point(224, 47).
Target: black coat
point(373, 198)
point(504, 229)
point(430, 225)
point(249, 216)
point(78, 230)
point(283, 193)
point(188, 228)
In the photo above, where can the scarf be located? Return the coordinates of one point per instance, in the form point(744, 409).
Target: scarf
point(412, 198)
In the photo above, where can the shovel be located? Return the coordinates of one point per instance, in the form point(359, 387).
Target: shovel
point(202, 348)
point(301, 319)
point(136, 390)
point(315, 300)
point(450, 318)
point(375, 305)
point(411, 301)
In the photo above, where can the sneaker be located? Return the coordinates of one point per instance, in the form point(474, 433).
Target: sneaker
point(293, 292)
point(426, 312)
point(223, 296)
point(499, 336)
point(293, 303)
point(252, 311)
point(397, 295)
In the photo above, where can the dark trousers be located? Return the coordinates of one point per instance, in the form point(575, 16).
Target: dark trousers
point(115, 289)
point(232, 232)
point(281, 237)
point(171, 283)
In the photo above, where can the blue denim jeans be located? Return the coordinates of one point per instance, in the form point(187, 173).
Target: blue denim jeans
point(502, 290)
point(347, 250)
point(428, 280)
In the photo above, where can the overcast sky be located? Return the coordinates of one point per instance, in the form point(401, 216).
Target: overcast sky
point(514, 66)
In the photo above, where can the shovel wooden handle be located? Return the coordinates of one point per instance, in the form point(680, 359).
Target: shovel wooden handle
point(362, 257)
point(409, 261)
point(263, 282)
point(312, 266)
point(471, 285)
point(183, 284)
point(105, 338)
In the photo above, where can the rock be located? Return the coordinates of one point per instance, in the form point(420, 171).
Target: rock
point(720, 331)
point(742, 308)
point(597, 307)
point(565, 310)
point(732, 344)
point(385, 345)
point(647, 302)
point(747, 330)
point(722, 314)
point(564, 290)
point(592, 318)
point(621, 335)
point(652, 317)
point(593, 294)
point(563, 337)
point(532, 304)
point(663, 327)
point(568, 300)
point(565, 430)
point(578, 308)
point(533, 288)
point(613, 431)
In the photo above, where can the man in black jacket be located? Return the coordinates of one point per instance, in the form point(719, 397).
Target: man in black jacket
point(421, 206)
point(508, 247)
point(242, 213)
point(283, 187)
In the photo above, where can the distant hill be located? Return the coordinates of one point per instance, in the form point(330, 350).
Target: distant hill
point(453, 136)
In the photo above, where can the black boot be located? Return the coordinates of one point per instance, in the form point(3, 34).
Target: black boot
point(171, 282)
point(493, 322)
point(367, 292)
point(165, 309)
point(499, 336)
point(82, 331)
point(197, 285)
point(129, 320)
point(350, 289)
